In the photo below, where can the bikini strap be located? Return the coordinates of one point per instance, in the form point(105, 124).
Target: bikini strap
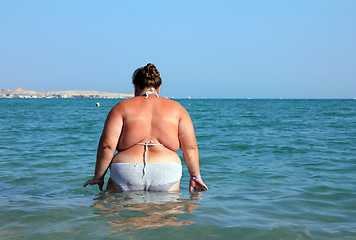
point(147, 144)
point(149, 92)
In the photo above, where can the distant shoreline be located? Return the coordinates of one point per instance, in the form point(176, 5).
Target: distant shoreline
point(21, 93)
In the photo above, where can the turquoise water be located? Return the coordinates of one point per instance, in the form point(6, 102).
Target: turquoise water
point(276, 169)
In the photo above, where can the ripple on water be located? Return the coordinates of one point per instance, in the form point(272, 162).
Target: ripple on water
point(275, 170)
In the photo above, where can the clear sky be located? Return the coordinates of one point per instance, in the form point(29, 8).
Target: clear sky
point(216, 49)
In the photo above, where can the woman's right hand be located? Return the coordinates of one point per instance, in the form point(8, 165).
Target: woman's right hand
point(94, 181)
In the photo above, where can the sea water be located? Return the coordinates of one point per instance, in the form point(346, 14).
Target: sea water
point(276, 169)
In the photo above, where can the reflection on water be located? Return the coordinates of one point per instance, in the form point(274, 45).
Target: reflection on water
point(144, 210)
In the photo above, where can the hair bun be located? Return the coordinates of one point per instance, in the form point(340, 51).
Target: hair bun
point(147, 76)
point(151, 71)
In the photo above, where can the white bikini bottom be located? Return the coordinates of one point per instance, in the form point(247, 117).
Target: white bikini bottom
point(159, 176)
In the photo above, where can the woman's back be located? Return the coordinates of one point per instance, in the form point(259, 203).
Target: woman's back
point(150, 134)
point(147, 119)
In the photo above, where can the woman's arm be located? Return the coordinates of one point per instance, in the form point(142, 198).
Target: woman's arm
point(107, 145)
point(189, 146)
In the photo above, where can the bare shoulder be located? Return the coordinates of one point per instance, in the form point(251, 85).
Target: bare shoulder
point(123, 104)
point(174, 105)
point(170, 101)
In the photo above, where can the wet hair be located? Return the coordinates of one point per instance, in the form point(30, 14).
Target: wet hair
point(147, 76)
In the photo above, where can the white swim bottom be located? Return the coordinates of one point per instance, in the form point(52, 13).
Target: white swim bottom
point(159, 176)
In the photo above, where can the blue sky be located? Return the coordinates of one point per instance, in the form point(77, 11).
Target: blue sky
point(217, 49)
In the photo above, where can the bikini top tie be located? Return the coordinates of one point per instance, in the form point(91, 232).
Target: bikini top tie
point(147, 144)
point(149, 92)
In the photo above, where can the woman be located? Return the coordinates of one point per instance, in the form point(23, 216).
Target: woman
point(147, 131)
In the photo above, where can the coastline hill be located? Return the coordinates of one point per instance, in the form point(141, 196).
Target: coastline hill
point(21, 93)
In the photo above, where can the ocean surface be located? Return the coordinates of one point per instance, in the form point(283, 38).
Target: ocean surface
point(276, 169)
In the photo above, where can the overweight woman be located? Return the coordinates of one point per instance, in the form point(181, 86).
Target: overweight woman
point(147, 131)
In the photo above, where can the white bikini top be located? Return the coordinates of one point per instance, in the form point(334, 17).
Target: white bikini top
point(149, 92)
